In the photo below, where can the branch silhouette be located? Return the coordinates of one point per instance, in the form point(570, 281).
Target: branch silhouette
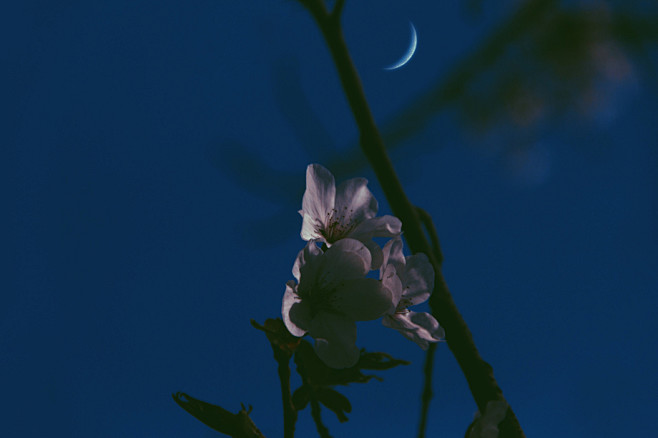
point(478, 373)
point(539, 64)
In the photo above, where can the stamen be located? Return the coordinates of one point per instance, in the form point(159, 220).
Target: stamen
point(337, 226)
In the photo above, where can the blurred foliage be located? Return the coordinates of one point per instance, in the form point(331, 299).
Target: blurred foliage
point(547, 61)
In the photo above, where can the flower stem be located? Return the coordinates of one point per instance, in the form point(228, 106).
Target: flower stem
point(317, 417)
point(478, 373)
point(289, 411)
point(427, 390)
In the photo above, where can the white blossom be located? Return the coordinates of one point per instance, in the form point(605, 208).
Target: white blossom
point(410, 281)
point(330, 294)
point(331, 214)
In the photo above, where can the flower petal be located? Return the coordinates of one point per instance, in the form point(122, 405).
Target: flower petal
point(335, 340)
point(391, 281)
point(376, 254)
point(295, 312)
point(355, 201)
point(310, 227)
point(417, 279)
point(320, 195)
point(384, 226)
point(362, 299)
point(307, 255)
point(420, 328)
point(392, 255)
point(346, 259)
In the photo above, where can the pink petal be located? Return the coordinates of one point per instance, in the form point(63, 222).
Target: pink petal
point(335, 340)
point(295, 312)
point(391, 281)
point(309, 254)
point(362, 299)
point(320, 195)
point(355, 201)
point(420, 328)
point(375, 253)
point(417, 279)
point(392, 254)
point(346, 259)
point(384, 226)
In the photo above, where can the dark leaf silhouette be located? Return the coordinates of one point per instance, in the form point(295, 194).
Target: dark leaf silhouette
point(248, 169)
point(544, 61)
point(379, 361)
point(335, 401)
point(298, 112)
point(278, 334)
point(301, 397)
point(318, 378)
point(235, 425)
point(314, 371)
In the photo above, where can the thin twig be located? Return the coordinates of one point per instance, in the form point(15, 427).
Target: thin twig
point(338, 9)
point(289, 411)
point(478, 373)
point(282, 357)
point(427, 390)
point(317, 417)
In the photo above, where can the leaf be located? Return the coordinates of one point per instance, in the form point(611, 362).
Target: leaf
point(301, 397)
point(379, 361)
point(278, 335)
point(235, 425)
point(335, 401)
point(315, 372)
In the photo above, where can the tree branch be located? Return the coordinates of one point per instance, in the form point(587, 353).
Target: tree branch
point(338, 9)
point(289, 411)
point(478, 373)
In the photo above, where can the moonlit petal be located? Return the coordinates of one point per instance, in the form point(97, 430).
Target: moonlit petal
point(417, 279)
point(420, 328)
point(384, 226)
point(431, 330)
point(362, 299)
point(392, 282)
point(355, 201)
point(320, 194)
point(296, 313)
point(375, 253)
point(392, 254)
point(335, 340)
point(310, 227)
point(307, 255)
point(346, 259)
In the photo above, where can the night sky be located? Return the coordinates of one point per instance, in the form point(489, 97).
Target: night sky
point(154, 155)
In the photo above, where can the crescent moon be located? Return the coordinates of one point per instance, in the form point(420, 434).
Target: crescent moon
point(410, 51)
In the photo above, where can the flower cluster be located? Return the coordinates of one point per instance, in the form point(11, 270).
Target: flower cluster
point(331, 291)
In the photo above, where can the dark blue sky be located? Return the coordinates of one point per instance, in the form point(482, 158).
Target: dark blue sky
point(140, 236)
